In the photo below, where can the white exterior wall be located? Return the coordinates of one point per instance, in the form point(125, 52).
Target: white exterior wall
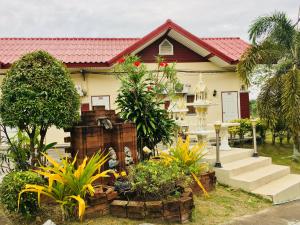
point(96, 84)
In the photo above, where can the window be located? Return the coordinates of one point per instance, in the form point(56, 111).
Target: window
point(190, 99)
point(101, 100)
point(166, 48)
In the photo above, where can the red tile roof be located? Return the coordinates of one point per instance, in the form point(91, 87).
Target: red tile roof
point(233, 47)
point(106, 51)
point(69, 50)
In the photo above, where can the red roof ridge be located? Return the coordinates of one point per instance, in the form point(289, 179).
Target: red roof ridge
point(65, 38)
point(219, 38)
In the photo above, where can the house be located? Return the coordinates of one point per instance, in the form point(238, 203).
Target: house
point(91, 62)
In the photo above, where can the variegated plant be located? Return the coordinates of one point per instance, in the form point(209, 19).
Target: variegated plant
point(68, 185)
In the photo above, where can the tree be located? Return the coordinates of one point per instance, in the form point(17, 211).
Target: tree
point(37, 93)
point(140, 99)
point(275, 45)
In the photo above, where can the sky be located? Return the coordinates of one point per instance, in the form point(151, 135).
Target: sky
point(133, 18)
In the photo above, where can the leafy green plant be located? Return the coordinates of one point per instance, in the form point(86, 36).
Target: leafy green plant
point(241, 130)
point(155, 180)
point(139, 100)
point(67, 185)
point(10, 187)
point(37, 93)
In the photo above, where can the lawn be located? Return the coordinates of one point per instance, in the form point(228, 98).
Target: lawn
point(223, 205)
point(281, 154)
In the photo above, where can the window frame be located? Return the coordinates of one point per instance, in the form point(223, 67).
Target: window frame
point(159, 48)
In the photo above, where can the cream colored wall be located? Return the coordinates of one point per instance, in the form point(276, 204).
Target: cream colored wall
point(96, 84)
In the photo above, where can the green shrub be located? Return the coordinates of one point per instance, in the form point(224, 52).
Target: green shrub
point(156, 180)
point(10, 187)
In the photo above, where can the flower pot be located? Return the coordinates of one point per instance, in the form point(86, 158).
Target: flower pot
point(208, 180)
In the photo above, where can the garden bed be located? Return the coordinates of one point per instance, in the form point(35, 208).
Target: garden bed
point(98, 205)
point(173, 210)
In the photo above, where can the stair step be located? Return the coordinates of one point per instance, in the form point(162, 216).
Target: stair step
point(281, 190)
point(258, 177)
point(241, 166)
point(229, 156)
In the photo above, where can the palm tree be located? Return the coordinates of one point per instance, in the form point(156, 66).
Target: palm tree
point(276, 46)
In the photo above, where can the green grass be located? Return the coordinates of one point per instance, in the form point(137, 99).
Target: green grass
point(281, 154)
point(223, 205)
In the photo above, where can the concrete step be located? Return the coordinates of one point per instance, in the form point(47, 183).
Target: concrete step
point(254, 179)
point(229, 156)
point(281, 190)
point(240, 166)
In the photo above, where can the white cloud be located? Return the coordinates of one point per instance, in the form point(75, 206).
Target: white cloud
point(132, 18)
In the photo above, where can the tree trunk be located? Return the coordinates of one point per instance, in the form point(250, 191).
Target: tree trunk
point(296, 147)
point(32, 150)
point(273, 138)
point(43, 132)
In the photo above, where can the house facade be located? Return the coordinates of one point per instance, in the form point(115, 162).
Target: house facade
point(91, 63)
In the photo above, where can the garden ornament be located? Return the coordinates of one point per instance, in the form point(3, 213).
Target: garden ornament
point(128, 156)
point(113, 161)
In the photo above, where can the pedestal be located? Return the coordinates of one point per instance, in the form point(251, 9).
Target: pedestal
point(225, 135)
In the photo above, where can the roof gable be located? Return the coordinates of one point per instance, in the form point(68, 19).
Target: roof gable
point(180, 52)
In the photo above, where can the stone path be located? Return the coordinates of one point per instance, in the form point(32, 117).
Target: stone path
point(285, 214)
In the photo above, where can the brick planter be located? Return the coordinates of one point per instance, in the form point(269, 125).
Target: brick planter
point(176, 210)
point(208, 181)
point(99, 204)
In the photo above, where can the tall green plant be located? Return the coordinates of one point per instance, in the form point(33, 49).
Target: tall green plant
point(276, 46)
point(140, 100)
point(37, 93)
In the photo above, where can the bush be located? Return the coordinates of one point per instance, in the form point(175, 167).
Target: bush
point(155, 180)
point(38, 93)
point(10, 187)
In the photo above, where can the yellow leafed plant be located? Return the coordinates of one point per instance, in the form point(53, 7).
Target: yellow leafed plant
point(68, 185)
point(190, 159)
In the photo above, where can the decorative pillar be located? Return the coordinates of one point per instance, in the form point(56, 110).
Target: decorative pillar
point(253, 122)
point(217, 129)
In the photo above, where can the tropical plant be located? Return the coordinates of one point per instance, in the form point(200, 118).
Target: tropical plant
point(155, 180)
point(10, 187)
point(276, 49)
point(37, 93)
point(67, 185)
point(189, 159)
point(139, 100)
point(241, 130)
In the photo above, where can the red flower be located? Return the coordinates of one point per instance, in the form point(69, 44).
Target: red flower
point(121, 60)
point(137, 63)
point(163, 64)
point(149, 88)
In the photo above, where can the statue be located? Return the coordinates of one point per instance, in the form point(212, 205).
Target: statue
point(113, 161)
point(201, 91)
point(128, 156)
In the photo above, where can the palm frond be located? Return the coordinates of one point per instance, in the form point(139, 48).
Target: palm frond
point(267, 53)
point(291, 99)
point(276, 26)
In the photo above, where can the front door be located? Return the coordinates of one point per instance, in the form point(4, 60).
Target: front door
point(230, 105)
